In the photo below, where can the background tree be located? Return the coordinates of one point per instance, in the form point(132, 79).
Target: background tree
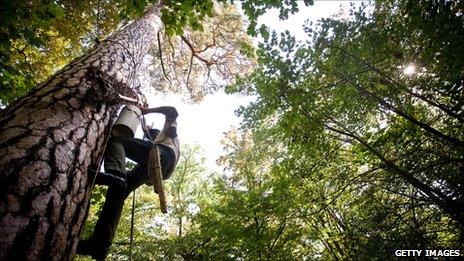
point(39, 37)
point(382, 143)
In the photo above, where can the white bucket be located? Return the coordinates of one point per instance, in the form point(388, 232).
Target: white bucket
point(129, 119)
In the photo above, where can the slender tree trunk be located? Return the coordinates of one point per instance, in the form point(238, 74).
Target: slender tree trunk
point(52, 139)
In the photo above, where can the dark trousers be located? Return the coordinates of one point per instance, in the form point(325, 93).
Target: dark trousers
point(116, 150)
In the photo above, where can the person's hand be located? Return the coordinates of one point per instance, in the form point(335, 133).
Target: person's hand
point(144, 109)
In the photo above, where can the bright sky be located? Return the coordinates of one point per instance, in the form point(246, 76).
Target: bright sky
point(205, 123)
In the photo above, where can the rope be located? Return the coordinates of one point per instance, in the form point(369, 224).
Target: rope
point(132, 227)
point(131, 246)
point(155, 166)
point(145, 128)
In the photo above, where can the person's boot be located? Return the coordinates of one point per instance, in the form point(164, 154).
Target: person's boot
point(111, 177)
point(89, 247)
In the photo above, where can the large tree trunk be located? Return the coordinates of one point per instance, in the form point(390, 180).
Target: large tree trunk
point(51, 139)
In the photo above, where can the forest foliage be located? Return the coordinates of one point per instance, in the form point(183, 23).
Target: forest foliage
point(37, 38)
point(376, 151)
point(354, 147)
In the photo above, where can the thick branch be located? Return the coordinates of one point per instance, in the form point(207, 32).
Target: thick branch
point(195, 53)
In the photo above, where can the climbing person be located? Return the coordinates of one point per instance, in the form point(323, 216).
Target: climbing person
point(120, 145)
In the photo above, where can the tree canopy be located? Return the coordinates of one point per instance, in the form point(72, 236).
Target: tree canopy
point(37, 38)
point(379, 144)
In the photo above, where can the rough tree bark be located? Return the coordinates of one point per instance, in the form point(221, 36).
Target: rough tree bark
point(51, 139)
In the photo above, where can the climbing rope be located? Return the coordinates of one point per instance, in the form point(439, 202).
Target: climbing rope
point(154, 167)
point(131, 244)
point(132, 227)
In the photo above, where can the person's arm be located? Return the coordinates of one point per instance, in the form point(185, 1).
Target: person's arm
point(171, 115)
point(168, 111)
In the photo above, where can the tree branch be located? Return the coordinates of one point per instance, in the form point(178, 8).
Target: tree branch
point(390, 80)
point(422, 125)
point(161, 59)
point(194, 52)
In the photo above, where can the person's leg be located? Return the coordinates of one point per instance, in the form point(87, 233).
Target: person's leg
point(136, 177)
point(117, 149)
point(108, 179)
point(115, 156)
point(136, 149)
point(99, 243)
point(115, 160)
point(122, 144)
